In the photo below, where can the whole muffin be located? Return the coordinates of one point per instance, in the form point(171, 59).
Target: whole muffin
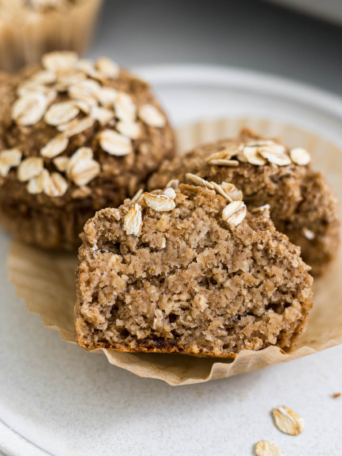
point(301, 203)
point(31, 28)
point(75, 137)
point(189, 271)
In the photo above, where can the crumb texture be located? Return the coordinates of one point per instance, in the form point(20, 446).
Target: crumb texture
point(302, 204)
point(189, 282)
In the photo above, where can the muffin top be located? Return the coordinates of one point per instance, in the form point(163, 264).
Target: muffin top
point(249, 160)
point(73, 128)
point(301, 203)
point(266, 171)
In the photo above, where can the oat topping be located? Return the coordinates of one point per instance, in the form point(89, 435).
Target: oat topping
point(234, 213)
point(67, 78)
point(309, 234)
point(61, 163)
point(82, 171)
point(260, 153)
point(218, 188)
point(55, 61)
point(138, 196)
point(83, 153)
point(55, 147)
point(87, 89)
point(29, 168)
point(221, 162)
point(287, 420)
point(81, 192)
point(83, 106)
point(268, 143)
point(114, 143)
point(133, 220)
point(173, 183)
point(55, 185)
point(253, 157)
point(199, 181)
point(240, 155)
point(107, 96)
point(102, 115)
point(75, 127)
point(234, 193)
point(170, 193)
point(44, 77)
point(226, 154)
point(125, 108)
point(88, 68)
point(300, 156)
point(265, 207)
point(37, 184)
point(86, 101)
point(31, 87)
point(9, 159)
point(265, 448)
point(81, 168)
point(151, 116)
point(29, 109)
point(274, 157)
point(160, 203)
point(227, 190)
point(61, 113)
point(107, 67)
point(129, 129)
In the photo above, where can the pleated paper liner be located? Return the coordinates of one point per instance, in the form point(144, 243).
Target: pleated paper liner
point(46, 280)
point(25, 34)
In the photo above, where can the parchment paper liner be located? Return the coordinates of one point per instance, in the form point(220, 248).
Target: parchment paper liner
point(26, 35)
point(46, 280)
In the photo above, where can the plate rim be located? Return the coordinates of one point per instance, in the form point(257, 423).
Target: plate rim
point(243, 78)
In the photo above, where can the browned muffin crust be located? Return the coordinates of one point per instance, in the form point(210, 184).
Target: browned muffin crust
point(302, 204)
point(54, 219)
point(187, 281)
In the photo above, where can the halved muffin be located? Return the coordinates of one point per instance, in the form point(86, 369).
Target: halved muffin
point(189, 271)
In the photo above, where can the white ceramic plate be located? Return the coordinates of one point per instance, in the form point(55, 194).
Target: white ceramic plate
point(56, 399)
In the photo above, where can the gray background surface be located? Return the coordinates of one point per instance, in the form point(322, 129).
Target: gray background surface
point(249, 34)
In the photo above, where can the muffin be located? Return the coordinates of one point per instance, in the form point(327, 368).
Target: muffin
point(75, 137)
point(30, 28)
point(301, 203)
point(189, 271)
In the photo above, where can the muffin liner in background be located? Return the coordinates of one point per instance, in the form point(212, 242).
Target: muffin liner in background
point(25, 35)
point(46, 280)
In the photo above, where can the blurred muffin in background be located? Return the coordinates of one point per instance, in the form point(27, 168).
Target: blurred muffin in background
point(75, 136)
point(30, 28)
